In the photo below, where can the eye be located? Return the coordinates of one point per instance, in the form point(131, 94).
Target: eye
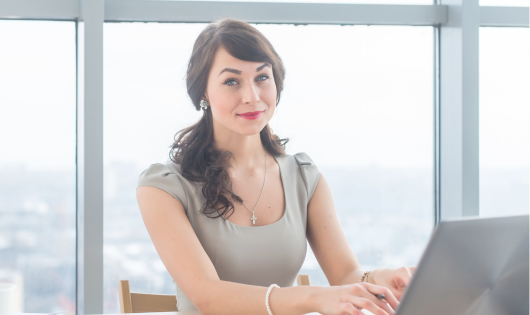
point(262, 77)
point(230, 82)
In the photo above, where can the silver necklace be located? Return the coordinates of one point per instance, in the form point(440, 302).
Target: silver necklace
point(253, 218)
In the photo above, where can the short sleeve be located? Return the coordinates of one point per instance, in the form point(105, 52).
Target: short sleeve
point(309, 171)
point(161, 177)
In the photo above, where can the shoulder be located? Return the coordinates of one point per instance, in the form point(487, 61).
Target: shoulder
point(302, 164)
point(166, 177)
point(296, 160)
point(158, 170)
point(158, 173)
point(303, 159)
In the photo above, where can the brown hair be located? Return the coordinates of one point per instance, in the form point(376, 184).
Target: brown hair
point(200, 161)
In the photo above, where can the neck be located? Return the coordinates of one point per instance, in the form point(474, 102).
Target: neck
point(248, 151)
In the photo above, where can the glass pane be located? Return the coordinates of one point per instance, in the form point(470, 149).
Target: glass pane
point(504, 117)
point(371, 99)
point(145, 105)
point(367, 124)
point(37, 164)
point(506, 3)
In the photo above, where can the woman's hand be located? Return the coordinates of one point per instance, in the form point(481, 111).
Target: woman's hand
point(396, 280)
point(352, 298)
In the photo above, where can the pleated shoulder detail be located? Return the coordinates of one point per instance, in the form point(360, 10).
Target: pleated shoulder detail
point(161, 177)
point(310, 173)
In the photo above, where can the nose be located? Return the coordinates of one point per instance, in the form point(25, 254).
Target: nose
point(250, 94)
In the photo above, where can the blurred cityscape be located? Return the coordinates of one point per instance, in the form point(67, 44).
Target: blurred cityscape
point(37, 238)
point(386, 214)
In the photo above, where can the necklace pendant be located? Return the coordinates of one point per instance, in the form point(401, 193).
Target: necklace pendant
point(253, 219)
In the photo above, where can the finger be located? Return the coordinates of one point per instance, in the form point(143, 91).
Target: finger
point(347, 308)
point(404, 275)
point(367, 304)
point(397, 293)
point(382, 304)
point(412, 269)
point(361, 290)
point(390, 295)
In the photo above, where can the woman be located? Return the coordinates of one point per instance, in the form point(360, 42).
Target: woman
point(230, 215)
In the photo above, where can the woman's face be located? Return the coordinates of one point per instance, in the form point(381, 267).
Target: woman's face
point(241, 94)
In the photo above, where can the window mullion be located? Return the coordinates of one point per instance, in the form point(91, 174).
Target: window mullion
point(459, 132)
point(90, 157)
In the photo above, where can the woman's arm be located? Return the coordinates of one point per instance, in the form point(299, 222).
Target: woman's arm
point(189, 265)
point(333, 253)
point(327, 239)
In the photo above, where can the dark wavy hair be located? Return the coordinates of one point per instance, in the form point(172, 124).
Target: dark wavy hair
point(200, 162)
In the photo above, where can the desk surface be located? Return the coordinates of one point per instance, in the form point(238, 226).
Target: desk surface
point(156, 313)
point(198, 313)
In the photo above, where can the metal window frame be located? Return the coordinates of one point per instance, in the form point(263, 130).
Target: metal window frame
point(89, 164)
point(455, 22)
point(258, 12)
point(458, 110)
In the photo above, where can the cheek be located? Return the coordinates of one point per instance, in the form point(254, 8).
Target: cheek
point(223, 103)
point(268, 94)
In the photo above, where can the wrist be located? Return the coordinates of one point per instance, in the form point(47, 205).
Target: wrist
point(373, 275)
point(294, 300)
point(311, 299)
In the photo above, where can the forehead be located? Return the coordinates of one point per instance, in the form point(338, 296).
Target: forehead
point(223, 59)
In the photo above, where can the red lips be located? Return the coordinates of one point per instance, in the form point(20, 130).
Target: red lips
point(251, 115)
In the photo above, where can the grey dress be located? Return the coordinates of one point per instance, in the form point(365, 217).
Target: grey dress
point(260, 255)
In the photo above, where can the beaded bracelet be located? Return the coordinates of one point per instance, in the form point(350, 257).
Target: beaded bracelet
point(364, 278)
point(267, 297)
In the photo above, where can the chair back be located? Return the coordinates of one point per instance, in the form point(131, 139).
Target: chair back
point(145, 303)
point(303, 280)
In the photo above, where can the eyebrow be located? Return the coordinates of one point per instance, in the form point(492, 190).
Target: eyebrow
point(262, 66)
point(239, 71)
point(230, 70)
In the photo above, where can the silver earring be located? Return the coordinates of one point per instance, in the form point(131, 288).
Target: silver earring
point(204, 104)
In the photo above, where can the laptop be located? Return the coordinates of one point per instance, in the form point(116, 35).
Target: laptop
point(471, 267)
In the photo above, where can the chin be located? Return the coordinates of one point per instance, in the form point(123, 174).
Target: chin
point(250, 131)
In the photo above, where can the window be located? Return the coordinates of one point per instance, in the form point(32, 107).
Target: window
point(37, 164)
point(505, 3)
point(367, 124)
point(504, 116)
point(375, 144)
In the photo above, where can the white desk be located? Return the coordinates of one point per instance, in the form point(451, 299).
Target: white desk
point(198, 313)
point(156, 313)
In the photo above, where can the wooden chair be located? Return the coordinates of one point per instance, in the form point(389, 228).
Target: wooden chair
point(145, 303)
point(148, 303)
point(303, 280)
